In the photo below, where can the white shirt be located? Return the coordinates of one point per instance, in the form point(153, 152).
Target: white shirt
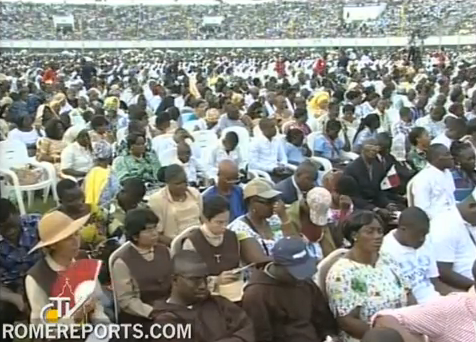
point(299, 193)
point(218, 154)
point(361, 111)
point(452, 242)
point(433, 190)
point(442, 139)
point(77, 158)
point(266, 155)
point(434, 128)
point(166, 143)
point(418, 266)
point(28, 138)
point(193, 168)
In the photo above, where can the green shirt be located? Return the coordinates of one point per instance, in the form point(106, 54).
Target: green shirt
point(417, 158)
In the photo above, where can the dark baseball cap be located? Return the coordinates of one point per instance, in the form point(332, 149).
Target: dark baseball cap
point(291, 252)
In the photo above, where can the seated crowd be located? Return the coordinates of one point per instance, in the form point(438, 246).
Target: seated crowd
point(250, 219)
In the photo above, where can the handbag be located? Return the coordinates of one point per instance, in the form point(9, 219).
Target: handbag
point(28, 174)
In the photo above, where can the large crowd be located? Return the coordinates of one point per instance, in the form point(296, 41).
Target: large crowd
point(268, 196)
point(277, 20)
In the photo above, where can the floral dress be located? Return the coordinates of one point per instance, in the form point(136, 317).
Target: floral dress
point(350, 284)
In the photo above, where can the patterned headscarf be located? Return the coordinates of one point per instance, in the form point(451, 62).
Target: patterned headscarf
point(102, 150)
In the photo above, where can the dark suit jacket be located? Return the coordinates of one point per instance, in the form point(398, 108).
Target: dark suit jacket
point(288, 191)
point(368, 194)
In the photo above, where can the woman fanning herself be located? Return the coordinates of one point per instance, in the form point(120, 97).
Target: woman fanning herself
point(364, 281)
point(265, 223)
point(60, 242)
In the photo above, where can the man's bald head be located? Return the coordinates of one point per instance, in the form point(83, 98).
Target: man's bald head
point(439, 156)
point(189, 264)
point(228, 174)
point(435, 151)
point(227, 166)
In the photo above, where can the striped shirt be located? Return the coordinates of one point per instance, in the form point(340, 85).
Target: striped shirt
point(445, 319)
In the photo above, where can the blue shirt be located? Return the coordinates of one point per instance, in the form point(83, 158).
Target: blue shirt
point(328, 149)
point(463, 184)
point(361, 137)
point(237, 203)
point(295, 154)
point(15, 260)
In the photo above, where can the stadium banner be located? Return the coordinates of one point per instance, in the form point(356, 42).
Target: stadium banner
point(232, 44)
point(362, 13)
point(217, 20)
point(63, 20)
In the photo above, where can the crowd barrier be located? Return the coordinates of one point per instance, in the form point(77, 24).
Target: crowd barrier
point(229, 44)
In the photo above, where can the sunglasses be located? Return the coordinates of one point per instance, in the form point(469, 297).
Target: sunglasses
point(267, 201)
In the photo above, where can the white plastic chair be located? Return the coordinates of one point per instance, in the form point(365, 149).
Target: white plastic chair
point(13, 153)
point(121, 134)
point(349, 155)
point(310, 140)
point(325, 265)
point(162, 143)
point(205, 141)
point(260, 174)
point(177, 243)
point(168, 157)
point(326, 163)
point(243, 140)
point(190, 126)
point(410, 197)
point(112, 259)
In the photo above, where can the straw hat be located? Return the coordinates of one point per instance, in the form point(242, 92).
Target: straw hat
point(57, 226)
point(261, 188)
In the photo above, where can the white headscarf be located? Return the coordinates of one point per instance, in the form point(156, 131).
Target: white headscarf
point(72, 133)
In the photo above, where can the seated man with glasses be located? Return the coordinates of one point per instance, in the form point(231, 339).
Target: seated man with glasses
point(227, 186)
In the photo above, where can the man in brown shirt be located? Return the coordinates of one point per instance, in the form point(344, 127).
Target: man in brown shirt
point(283, 302)
point(212, 318)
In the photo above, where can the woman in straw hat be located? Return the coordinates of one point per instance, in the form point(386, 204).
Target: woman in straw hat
point(60, 242)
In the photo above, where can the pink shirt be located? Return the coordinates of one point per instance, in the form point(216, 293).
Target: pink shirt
point(445, 319)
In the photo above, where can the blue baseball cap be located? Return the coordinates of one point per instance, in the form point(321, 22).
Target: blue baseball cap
point(291, 252)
